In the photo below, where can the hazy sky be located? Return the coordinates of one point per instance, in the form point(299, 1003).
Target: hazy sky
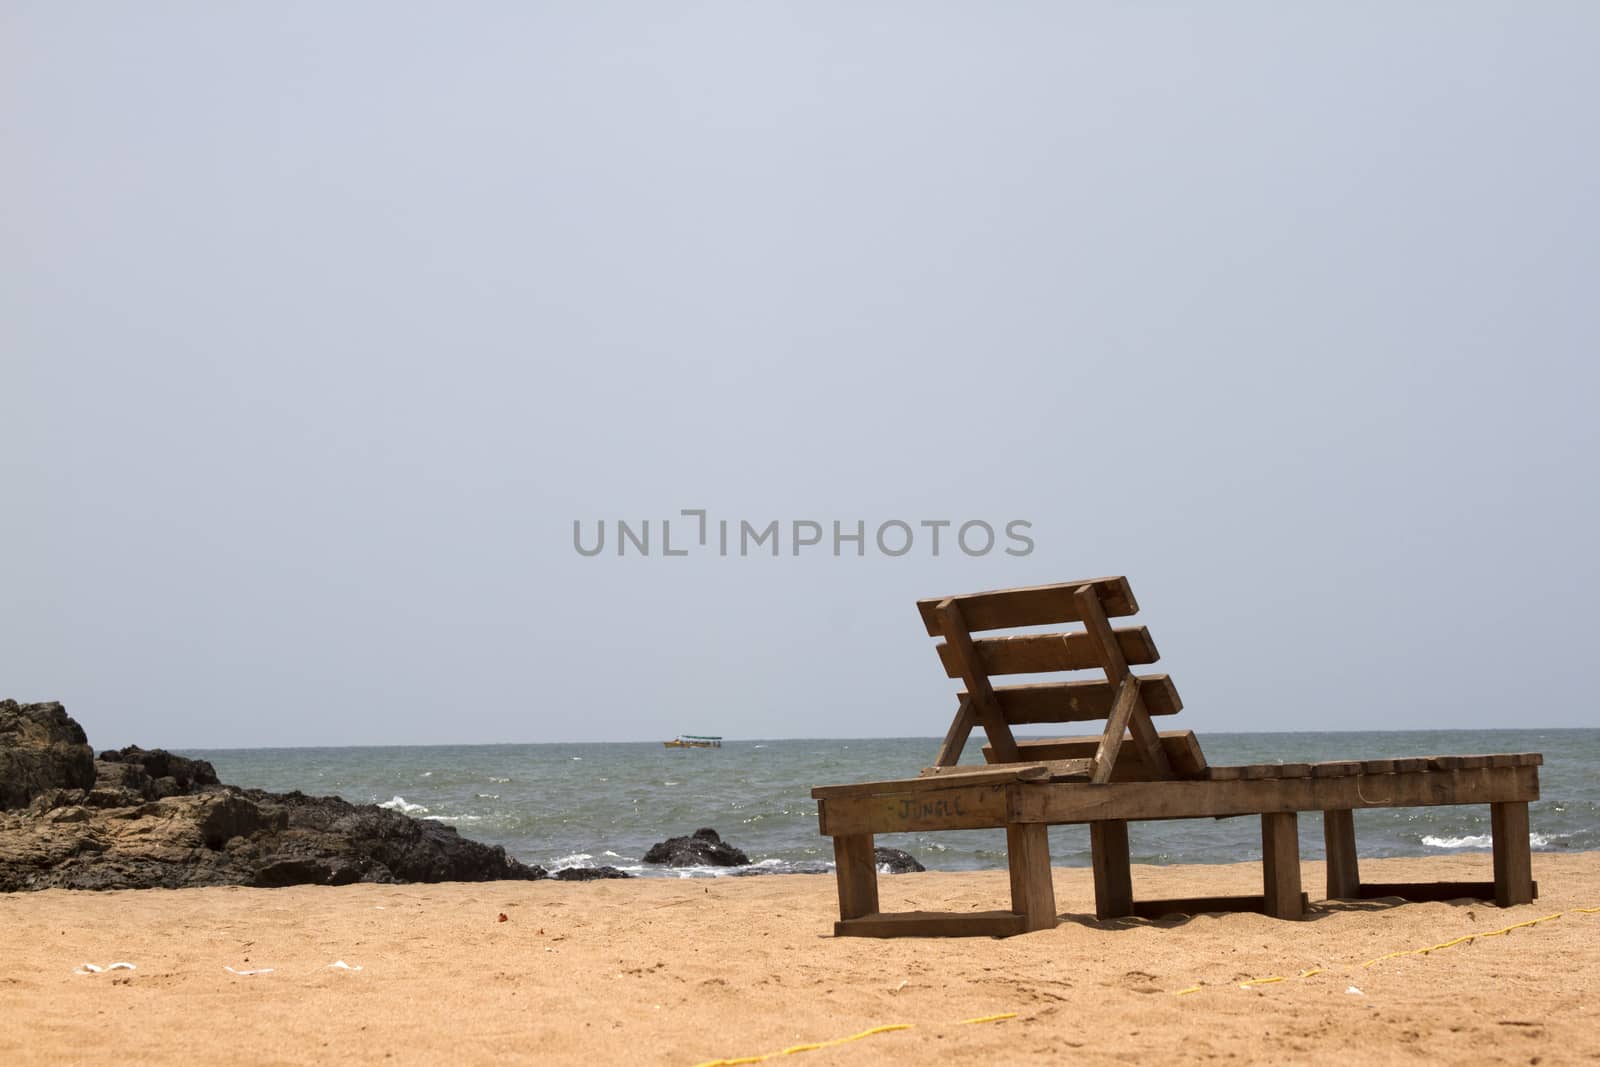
point(321, 323)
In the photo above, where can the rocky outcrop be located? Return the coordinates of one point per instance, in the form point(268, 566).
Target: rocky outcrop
point(139, 819)
point(704, 848)
point(41, 750)
point(894, 861)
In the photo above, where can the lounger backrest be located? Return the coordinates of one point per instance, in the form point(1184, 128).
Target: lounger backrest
point(1113, 693)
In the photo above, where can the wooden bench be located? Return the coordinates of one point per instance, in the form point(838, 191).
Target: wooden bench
point(1129, 772)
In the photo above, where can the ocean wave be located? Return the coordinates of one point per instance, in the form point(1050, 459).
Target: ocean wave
point(403, 806)
point(451, 818)
point(1481, 841)
point(577, 859)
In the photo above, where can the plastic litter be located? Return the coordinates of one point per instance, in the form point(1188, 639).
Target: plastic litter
point(246, 974)
point(341, 965)
point(1353, 991)
point(89, 968)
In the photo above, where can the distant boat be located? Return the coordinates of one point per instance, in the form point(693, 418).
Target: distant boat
point(693, 741)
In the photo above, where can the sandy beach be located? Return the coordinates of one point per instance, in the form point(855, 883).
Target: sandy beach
point(688, 971)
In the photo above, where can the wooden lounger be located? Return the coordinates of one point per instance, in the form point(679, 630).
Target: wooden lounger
point(1128, 772)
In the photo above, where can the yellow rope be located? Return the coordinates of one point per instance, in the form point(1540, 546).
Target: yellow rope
point(1465, 939)
point(792, 1049)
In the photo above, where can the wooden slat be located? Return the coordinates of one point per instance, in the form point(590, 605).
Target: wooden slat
point(963, 807)
point(1431, 892)
point(933, 924)
point(1105, 757)
point(1113, 877)
point(954, 626)
point(1339, 838)
point(956, 738)
point(1041, 653)
point(1190, 800)
point(1345, 768)
point(937, 778)
point(856, 866)
point(1033, 894)
point(1107, 649)
point(1081, 701)
point(1513, 862)
point(977, 806)
point(1109, 652)
point(1280, 865)
point(1037, 605)
point(1182, 748)
point(1156, 909)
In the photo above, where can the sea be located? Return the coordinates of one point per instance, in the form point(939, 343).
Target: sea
point(605, 804)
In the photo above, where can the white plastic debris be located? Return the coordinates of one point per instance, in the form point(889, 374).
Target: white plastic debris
point(1353, 991)
point(341, 965)
point(246, 974)
point(89, 968)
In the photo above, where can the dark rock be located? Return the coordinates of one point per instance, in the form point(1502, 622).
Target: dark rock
point(188, 775)
point(588, 874)
point(41, 749)
point(702, 849)
point(894, 861)
point(147, 818)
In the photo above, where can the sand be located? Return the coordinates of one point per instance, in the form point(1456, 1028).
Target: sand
point(686, 971)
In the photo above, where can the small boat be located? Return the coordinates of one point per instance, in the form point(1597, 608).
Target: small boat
point(693, 741)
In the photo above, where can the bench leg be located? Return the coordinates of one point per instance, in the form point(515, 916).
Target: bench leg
point(1113, 880)
point(1513, 860)
point(1280, 865)
point(1033, 894)
point(1344, 873)
point(857, 870)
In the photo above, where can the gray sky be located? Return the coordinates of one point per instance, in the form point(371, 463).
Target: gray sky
point(321, 323)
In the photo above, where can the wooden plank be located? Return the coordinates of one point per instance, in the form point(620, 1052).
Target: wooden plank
point(856, 867)
point(1342, 768)
point(1107, 650)
point(1105, 757)
point(1260, 771)
point(1081, 701)
point(1339, 838)
point(1113, 877)
point(1429, 892)
point(933, 924)
point(1145, 739)
point(956, 738)
point(975, 806)
point(1192, 799)
point(1513, 859)
point(1182, 748)
point(1037, 605)
point(978, 691)
point(937, 778)
point(1156, 909)
point(1033, 893)
point(1280, 865)
point(965, 807)
point(1041, 653)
